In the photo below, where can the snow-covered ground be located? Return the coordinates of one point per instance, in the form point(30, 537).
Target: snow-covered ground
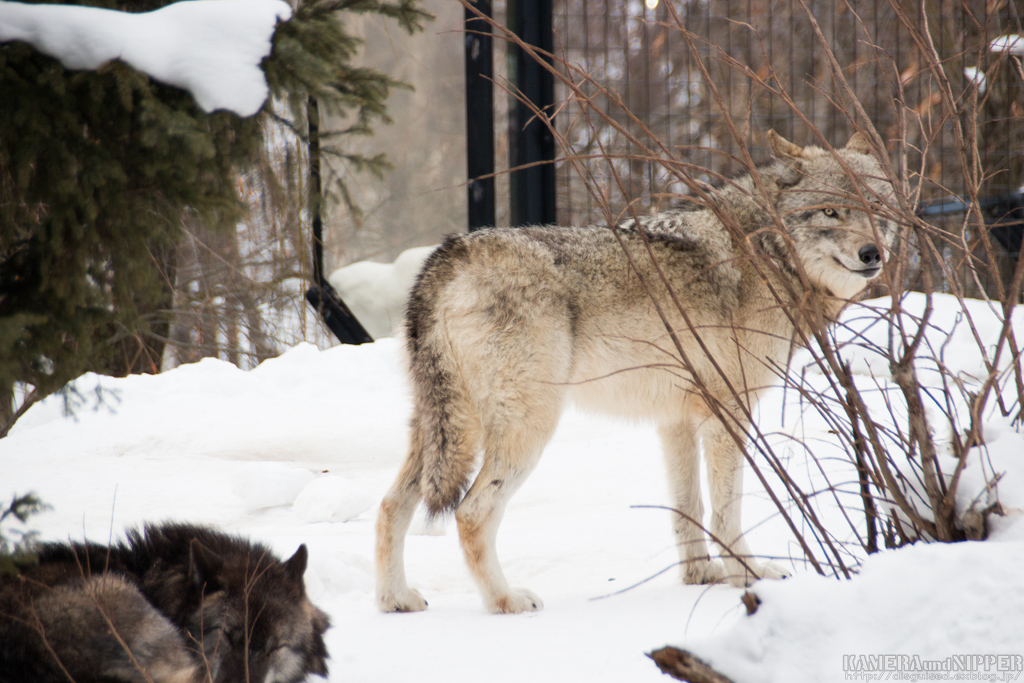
point(302, 448)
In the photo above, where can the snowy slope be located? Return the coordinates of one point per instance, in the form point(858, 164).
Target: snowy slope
point(302, 448)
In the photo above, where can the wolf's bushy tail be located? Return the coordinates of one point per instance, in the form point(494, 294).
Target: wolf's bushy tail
point(445, 421)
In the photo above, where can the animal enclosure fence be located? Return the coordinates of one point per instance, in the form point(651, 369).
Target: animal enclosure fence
point(707, 78)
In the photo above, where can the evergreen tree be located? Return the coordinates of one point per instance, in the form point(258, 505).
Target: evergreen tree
point(17, 545)
point(98, 169)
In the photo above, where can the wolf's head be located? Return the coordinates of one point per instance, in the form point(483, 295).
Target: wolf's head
point(256, 622)
point(833, 207)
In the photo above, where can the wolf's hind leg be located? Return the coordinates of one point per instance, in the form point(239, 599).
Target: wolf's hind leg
point(511, 453)
point(682, 458)
point(393, 520)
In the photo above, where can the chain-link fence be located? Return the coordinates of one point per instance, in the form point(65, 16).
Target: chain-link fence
point(673, 65)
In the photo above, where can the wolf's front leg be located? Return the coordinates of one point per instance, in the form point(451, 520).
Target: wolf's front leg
point(725, 479)
point(682, 459)
point(393, 520)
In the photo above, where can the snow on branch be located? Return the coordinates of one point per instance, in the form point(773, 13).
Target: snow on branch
point(212, 48)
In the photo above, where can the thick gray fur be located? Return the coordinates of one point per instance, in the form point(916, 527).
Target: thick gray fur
point(504, 327)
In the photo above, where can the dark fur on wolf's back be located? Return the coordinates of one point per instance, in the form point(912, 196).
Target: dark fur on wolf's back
point(198, 603)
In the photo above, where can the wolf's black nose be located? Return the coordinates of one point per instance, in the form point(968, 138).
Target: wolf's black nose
point(869, 255)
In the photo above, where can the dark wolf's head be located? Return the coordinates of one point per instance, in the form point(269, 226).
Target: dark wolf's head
point(834, 207)
point(243, 611)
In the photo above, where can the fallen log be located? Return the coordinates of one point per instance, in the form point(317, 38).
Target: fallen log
point(682, 665)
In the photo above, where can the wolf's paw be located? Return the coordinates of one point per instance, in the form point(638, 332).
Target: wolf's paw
point(407, 600)
point(703, 571)
point(741, 578)
point(518, 600)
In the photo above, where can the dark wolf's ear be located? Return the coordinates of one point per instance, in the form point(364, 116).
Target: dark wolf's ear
point(296, 565)
point(204, 565)
point(859, 143)
point(781, 147)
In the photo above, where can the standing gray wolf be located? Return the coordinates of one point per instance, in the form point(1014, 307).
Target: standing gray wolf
point(504, 326)
point(176, 603)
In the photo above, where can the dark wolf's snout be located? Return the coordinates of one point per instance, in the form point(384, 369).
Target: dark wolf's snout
point(870, 256)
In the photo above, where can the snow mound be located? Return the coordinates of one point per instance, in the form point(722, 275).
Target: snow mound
point(331, 498)
point(952, 339)
point(1013, 44)
point(377, 292)
point(808, 627)
point(270, 484)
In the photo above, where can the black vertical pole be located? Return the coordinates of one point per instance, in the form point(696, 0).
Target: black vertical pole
point(479, 118)
point(322, 296)
point(532, 189)
point(315, 189)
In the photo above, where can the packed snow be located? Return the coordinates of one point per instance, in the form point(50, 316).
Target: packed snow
point(927, 601)
point(1012, 44)
point(977, 77)
point(302, 448)
point(376, 292)
point(212, 48)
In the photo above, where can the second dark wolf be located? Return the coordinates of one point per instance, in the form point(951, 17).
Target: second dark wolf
point(176, 603)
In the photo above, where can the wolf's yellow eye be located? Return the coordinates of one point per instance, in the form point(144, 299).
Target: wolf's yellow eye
point(830, 212)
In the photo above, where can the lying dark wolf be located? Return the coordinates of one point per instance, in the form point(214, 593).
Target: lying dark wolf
point(176, 603)
point(678, 324)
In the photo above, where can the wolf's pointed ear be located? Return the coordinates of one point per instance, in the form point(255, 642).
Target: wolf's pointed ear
point(790, 171)
point(204, 565)
point(296, 564)
point(781, 147)
point(859, 143)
